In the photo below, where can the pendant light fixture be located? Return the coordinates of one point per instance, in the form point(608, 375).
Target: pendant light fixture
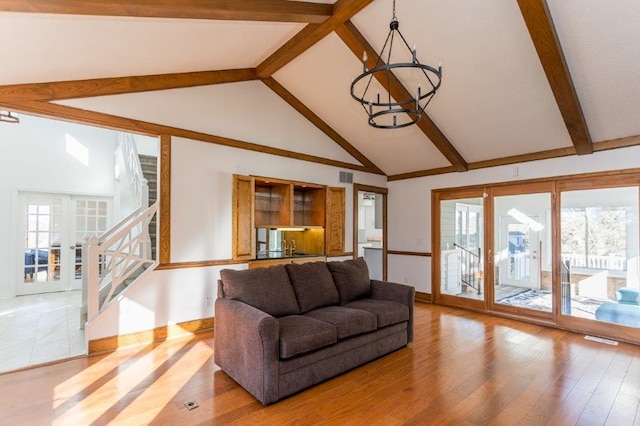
point(385, 112)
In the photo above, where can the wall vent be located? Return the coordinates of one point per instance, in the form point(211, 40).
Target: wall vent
point(346, 177)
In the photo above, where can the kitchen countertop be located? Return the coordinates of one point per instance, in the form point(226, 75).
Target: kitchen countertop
point(281, 255)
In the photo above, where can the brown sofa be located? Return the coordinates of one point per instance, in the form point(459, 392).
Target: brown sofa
point(282, 329)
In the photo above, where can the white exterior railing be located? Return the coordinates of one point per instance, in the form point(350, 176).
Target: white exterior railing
point(613, 263)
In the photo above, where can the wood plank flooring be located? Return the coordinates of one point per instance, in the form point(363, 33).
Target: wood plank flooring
point(462, 368)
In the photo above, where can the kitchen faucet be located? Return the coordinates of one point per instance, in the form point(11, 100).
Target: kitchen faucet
point(292, 247)
point(283, 243)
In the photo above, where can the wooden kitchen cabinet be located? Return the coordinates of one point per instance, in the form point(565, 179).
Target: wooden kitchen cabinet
point(335, 221)
point(243, 234)
point(260, 202)
point(272, 203)
point(308, 205)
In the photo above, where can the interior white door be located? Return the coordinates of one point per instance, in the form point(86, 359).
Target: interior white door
point(42, 243)
point(52, 229)
point(519, 253)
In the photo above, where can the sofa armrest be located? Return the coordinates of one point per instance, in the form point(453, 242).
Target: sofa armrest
point(394, 292)
point(246, 347)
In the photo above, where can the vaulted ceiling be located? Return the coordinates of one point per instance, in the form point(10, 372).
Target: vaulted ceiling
point(522, 80)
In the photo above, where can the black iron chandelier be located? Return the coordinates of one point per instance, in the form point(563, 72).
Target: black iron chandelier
point(8, 117)
point(384, 111)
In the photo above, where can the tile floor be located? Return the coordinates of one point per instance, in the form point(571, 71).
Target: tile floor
point(40, 328)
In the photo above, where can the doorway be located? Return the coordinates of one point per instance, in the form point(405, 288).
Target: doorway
point(51, 231)
point(370, 230)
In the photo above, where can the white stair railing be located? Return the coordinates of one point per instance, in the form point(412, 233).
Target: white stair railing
point(129, 163)
point(112, 261)
point(122, 254)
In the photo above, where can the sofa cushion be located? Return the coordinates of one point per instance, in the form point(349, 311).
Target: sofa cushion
point(351, 278)
point(628, 296)
point(386, 312)
point(349, 322)
point(313, 285)
point(300, 334)
point(267, 289)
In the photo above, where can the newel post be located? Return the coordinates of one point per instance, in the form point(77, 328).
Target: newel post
point(92, 277)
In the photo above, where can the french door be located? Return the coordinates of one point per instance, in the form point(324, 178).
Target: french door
point(522, 255)
point(494, 249)
point(52, 229)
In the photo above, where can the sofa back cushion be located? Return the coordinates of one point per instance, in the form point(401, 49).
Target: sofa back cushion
point(351, 278)
point(267, 289)
point(313, 285)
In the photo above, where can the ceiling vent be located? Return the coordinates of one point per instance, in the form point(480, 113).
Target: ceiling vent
point(346, 177)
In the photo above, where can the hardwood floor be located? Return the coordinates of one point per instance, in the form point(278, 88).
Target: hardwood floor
point(463, 368)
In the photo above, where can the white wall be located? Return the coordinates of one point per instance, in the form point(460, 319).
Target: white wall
point(201, 184)
point(34, 157)
point(410, 202)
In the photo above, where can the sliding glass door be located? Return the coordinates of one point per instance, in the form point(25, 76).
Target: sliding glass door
point(563, 251)
point(460, 258)
point(599, 245)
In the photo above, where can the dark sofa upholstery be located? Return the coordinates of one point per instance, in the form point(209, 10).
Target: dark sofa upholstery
point(281, 329)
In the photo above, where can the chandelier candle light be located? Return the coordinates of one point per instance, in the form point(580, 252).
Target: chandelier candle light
point(8, 117)
point(385, 112)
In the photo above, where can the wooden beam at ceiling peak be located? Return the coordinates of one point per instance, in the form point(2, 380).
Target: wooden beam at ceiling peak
point(60, 90)
point(537, 16)
point(352, 37)
point(236, 10)
point(343, 10)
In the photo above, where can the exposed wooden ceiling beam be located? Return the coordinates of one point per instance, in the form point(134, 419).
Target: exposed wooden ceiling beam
point(352, 37)
point(56, 91)
point(343, 10)
point(242, 10)
point(545, 39)
point(320, 124)
point(524, 158)
point(78, 115)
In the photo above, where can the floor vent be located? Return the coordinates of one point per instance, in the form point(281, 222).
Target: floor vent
point(346, 177)
point(601, 340)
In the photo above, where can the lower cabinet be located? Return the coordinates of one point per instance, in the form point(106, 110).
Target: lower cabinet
point(273, 262)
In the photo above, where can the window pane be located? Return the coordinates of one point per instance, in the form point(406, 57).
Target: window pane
point(522, 246)
point(461, 248)
point(599, 232)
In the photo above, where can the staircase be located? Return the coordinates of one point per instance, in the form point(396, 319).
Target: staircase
point(149, 165)
point(127, 252)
